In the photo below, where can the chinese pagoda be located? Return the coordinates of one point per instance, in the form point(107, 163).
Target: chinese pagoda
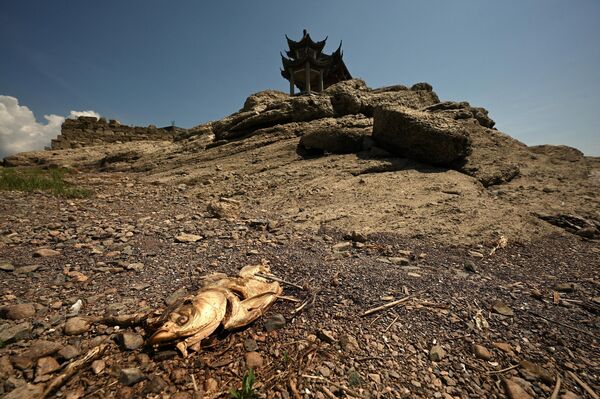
point(309, 69)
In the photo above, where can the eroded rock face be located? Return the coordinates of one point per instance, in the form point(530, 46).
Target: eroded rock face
point(337, 135)
point(424, 136)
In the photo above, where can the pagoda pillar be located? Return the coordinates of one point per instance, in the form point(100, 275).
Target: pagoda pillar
point(321, 81)
point(307, 77)
point(291, 82)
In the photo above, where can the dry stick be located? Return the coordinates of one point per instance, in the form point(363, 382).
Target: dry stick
point(391, 324)
point(338, 386)
point(279, 280)
point(585, 386)
point(73, 368)
point(100, 389)
point(294, 389)
point(556, 388)
point(563, 324)
point(514, 366)
point(387, 305)
point(195, 385)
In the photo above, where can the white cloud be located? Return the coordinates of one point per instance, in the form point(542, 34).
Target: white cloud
point(19, 130)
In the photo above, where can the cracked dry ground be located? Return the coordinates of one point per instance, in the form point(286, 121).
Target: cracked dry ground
point(117, 253)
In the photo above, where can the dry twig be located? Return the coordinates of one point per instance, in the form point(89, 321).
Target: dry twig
point(279, 280)
point(556, 388)
point(387, 305)
point(348, 391)
point(504, 370)
point(72, 368)
point(563, 324)
point(585, 386)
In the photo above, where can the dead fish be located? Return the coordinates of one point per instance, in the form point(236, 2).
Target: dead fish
point(229, 301)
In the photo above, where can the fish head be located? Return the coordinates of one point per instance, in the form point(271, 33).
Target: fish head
point(178, 323)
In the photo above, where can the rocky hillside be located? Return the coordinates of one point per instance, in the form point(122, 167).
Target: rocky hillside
point(393, 159)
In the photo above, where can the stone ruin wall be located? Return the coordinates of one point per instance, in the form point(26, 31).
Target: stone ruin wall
point(88, 131)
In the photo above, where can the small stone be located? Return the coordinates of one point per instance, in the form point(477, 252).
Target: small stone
point(155, 384)
point(26, 391)
point(130, 341)
point(342, 246)
point(6, 368)
point(6, 266)
point(135, 266)
point(533, 371)
point(77, 326)
point(131, 376)
point(253, 360)
point(570, 395)
point(15, 333)
point(470, 267)
point(185, 237)
point(354, 378)
point(45, 252)
point(40, 348)
point(275, 322)
point(18, 311)
point(250, 345)
point(501, 308)
point(27, 269)
point(68, 352)
point(481, 352)
point(164, 355)
point(46, 365)
point(176, 296)
point(436, 353)
point(504, 347)
point(326, 336)
point(399, 260)
point(211, 385)
point(98, 366)
point(349, 343)
point(565, 287)
point(325, 372)
point(514, 390)
point(376, 378)
point(476, 254)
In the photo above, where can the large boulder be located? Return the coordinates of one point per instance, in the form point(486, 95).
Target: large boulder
point(463, 110)
point(424, 136)
point(264, 99)
point(337, 135)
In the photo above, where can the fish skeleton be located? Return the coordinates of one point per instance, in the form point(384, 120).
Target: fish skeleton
point(229, 301)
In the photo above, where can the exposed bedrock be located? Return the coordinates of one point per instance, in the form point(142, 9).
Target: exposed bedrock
point(424, 136)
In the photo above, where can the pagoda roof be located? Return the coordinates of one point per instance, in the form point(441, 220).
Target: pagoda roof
point(305, 42)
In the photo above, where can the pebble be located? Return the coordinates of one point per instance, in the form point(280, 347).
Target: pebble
point(514, 390)
point(326, 336)
point(130, 341)
point(436, 353)
point(98, 366)
point(135, 266)
point(185, 237)
point(18, 311)
point(504, 347)
point(470, 267)
point(253, 360)
point(534, 371)
point(155, 384)
point(45, 252)
point(565, 287)
point(211, 385)
point(46, 365)
point(27, 269)
point(15, 333)
point(399, 260)
point(376, 378)
point(501, 308)
point(481, 352)
point(131, 376)
point(275, 322)
point(76, 326)
point(176, 296)
point(570, 395)
point(250, 345)
point(6, 266)
point(26, 391)
point(68, 352)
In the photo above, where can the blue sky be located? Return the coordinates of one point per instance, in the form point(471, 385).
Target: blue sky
point(534, 64)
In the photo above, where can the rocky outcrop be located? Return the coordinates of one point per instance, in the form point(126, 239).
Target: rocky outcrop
point(337, 135)
point(463, 110)
point(88, 130)
point(424, 136)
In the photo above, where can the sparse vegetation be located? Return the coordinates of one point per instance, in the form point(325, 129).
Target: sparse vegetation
point(247, 392)
point(33, 179)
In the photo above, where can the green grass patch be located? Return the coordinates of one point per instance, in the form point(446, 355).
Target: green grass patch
point(33, 179)
point(247, 391)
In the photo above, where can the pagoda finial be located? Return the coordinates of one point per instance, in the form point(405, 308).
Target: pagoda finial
point(304, 32)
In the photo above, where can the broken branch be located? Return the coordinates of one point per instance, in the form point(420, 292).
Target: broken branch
point(556, 388)
point(348, 391)
point(563, 324)
point(585, 386)
point(387, 305)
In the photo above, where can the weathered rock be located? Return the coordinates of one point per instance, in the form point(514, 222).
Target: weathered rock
point(422, 86)
point(26, 391)
point(533, 371)
point(482, 352)
point(17, 311)
point(253, 360)
point(263, 100)
point(176, 296)
point(463, 110)
point(275, 322)
point(46, 365)
point(130, 341)
point(436, 353)
point(45, 253)
point(6, 266)
point(76, 326)
point(250, 345)
point(131, 376)
point(15, 333)
point(501, 308)
point(223, 209)
point(185, 237)
point(514, 390)
point(337, 135)
point(420, 135)
point(326, 336)
point(68, 352)
point(98, 366)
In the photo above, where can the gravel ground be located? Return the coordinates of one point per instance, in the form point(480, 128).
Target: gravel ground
point(476, 324)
